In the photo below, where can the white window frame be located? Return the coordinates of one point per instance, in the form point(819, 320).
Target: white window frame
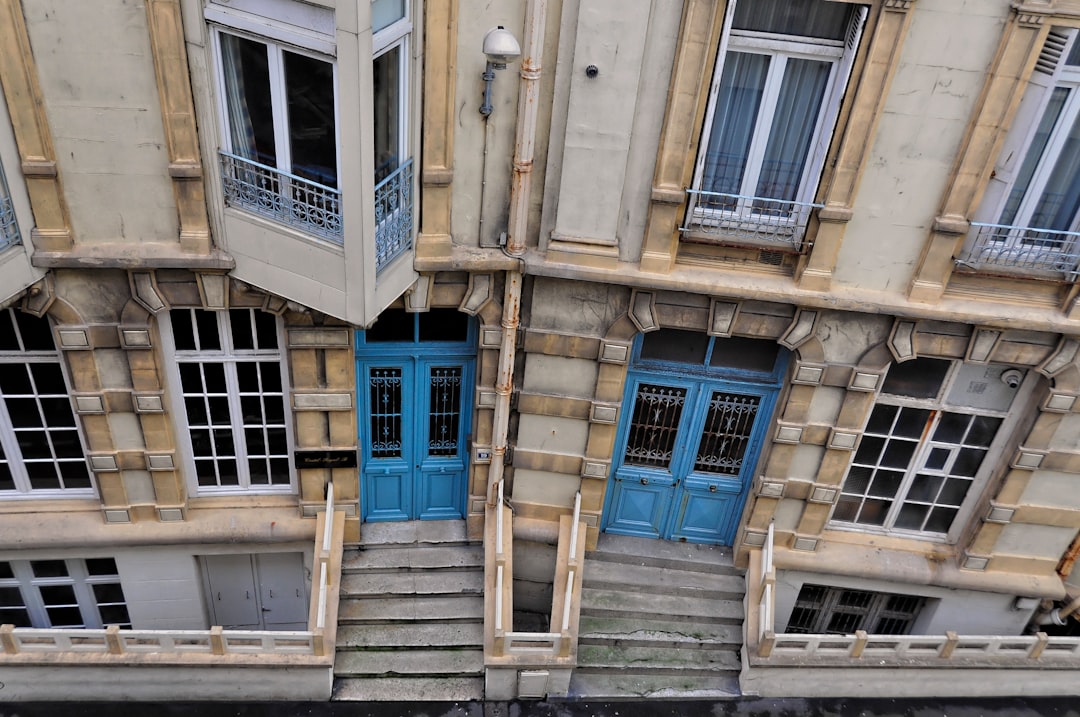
point(397, 34)
point(78, 578)
point(1050, 73)
point(9, 438)
point(925, 444)
point(841, 54)
point(276, 70)
point(228, 357)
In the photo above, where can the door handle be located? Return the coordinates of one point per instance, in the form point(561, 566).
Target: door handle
point(266, 609)
point(644, 481)
point(712, 489)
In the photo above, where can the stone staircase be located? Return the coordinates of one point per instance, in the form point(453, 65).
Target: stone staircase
point(410, 621)
point(659, 620)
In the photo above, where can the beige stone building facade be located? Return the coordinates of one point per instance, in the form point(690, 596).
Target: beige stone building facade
point(795, 279)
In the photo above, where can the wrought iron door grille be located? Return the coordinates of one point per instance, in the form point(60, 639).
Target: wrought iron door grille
point(444, 416)
point(654, 425)
point(384, 386)
point(726, 433)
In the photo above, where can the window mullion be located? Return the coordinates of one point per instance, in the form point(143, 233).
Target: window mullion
point(279, 105)
point(84, 593)
point(236, 422)
point(10, 443)
point(914, 466)
point(762, 126)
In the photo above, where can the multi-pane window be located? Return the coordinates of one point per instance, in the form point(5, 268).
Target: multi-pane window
point(279, 126)
point(232, 389)
point(41, 452)
point(1028, 217)
point(821, 610)
point(782, 69)
point(74, 593)
point(923, 454)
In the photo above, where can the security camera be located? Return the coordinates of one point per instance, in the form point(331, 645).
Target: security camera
point(1012, 377)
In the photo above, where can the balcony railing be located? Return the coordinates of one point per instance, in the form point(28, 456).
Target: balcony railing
point(393, 215)
point(740, 219)
point(9, 230)
point(861, 649)
point(297, 202)
point(1021, 249)
point(19, 645)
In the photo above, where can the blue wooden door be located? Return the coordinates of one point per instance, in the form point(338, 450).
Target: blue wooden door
point(414, 419)
point(688, 449)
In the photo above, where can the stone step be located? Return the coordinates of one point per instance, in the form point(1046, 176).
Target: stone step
point(398, 689)
point(591, 686)
point(660, 633)
point(416, 532)
point(650, 579)
point(364, 584)
point(664, 554)
point(414, 558)
point(459, 608)
point(408, 635)
point(618, 603)
point(449, 662)
point(656, 660)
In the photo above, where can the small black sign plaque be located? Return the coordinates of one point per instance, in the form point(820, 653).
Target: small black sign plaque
point(325, 459)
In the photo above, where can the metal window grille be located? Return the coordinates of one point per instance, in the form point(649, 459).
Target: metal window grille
point(837, 611)
point(9, 230)
point(1020, 248)
point(741, 218)
point(297, 202)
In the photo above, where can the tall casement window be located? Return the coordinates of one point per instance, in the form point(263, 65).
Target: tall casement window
point(229, 380)
point(1028, 218)
point(278, 93)
point(41, 452)
point(392, 26)
point(822, 610)
point(73, 593)
point(929, 446)
point(781, 71)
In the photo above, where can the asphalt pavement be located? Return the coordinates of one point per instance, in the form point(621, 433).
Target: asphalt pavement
point(991, 707)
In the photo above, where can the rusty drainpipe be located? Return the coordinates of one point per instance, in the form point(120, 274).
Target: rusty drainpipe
point(520, 188)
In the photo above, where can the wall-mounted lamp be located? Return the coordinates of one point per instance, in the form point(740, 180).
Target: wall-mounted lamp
point(501, 47)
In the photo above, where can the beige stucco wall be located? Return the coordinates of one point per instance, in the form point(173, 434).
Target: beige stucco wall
point(933, 95)
point(97, 77)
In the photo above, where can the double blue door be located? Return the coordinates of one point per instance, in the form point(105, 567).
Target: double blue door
point(414, 420)
point(688, 451)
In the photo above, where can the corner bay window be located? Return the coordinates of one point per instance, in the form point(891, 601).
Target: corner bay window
point(231, 386)
point(923, 455)
point(1028, 219)
point(781, 72)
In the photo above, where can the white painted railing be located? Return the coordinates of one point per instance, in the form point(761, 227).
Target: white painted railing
point(565, 604)
point(28, 641)
point(864, 649)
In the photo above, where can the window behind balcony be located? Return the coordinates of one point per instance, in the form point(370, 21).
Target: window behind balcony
point(73, 593)
point(1028, 217)
point(780, 74)
point(276, 80)
point(825, 610)
point(9, 230)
